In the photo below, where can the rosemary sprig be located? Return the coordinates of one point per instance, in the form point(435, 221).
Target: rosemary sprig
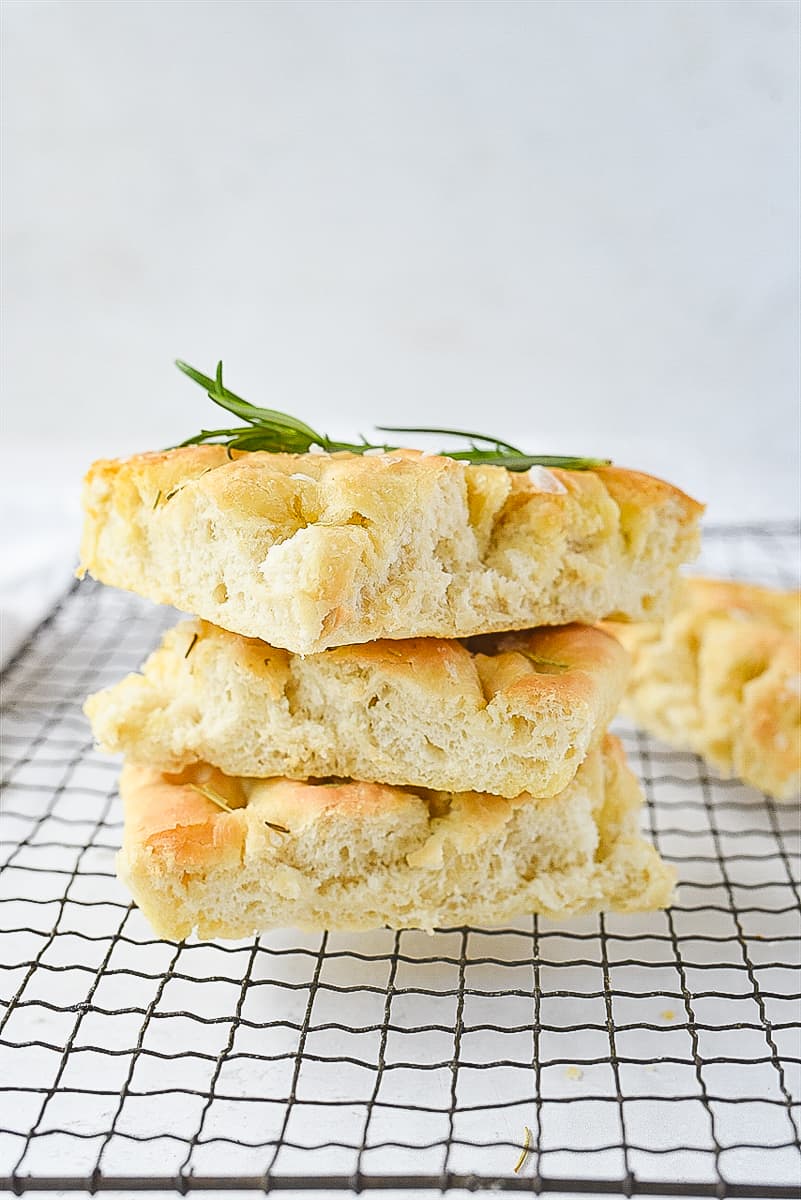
point(278, 432)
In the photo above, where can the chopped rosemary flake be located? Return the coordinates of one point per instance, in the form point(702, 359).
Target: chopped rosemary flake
point(210, 794)
point(280, 433)
point(556, 667)
point(216, 798)
point(156, 501)
point(525, 1151)
point(191, 646)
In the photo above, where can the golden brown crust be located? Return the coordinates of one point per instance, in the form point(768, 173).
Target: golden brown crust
point(359, 855)
point(743, 602)
point(723, 677)
point(503, 714)
point(310, 551)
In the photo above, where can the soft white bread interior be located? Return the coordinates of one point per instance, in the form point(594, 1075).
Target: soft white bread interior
point(722, 677)
point(316, 550)
point(349, 855)
point(504, 714)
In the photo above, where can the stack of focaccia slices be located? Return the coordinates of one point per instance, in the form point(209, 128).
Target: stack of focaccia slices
point(390, 708)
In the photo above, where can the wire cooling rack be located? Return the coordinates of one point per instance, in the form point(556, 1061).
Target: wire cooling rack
point(656, 1054)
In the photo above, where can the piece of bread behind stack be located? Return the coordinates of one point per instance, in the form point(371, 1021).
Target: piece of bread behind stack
point(722, 677)
point(414, 780)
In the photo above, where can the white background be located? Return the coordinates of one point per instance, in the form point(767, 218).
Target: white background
point(574, 222)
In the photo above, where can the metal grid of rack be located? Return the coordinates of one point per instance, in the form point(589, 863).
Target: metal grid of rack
point(656, 1054)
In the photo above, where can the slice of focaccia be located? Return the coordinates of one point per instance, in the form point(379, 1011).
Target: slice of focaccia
point(348, 855)
point(506, 713)
point(722, 677)
point(317, 550)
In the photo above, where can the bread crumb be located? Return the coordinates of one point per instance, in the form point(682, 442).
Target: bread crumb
point(668, 1015)
point(574, 1073)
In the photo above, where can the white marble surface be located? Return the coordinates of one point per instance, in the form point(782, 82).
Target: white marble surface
point(575, 222)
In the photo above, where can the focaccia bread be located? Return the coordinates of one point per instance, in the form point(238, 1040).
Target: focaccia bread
point(317, 550)
point(347, 855)
point(506, 713)
point(722, 677)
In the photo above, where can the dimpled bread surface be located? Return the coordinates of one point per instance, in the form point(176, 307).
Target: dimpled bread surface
point(311, 551)
point(722, 677)
point(348, 855)
point(503, 714)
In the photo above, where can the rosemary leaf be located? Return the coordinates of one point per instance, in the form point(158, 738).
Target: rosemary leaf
point(557, 668)
point(191, 646)
point(210, 794)
point(280, 433)
point(277, 828)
